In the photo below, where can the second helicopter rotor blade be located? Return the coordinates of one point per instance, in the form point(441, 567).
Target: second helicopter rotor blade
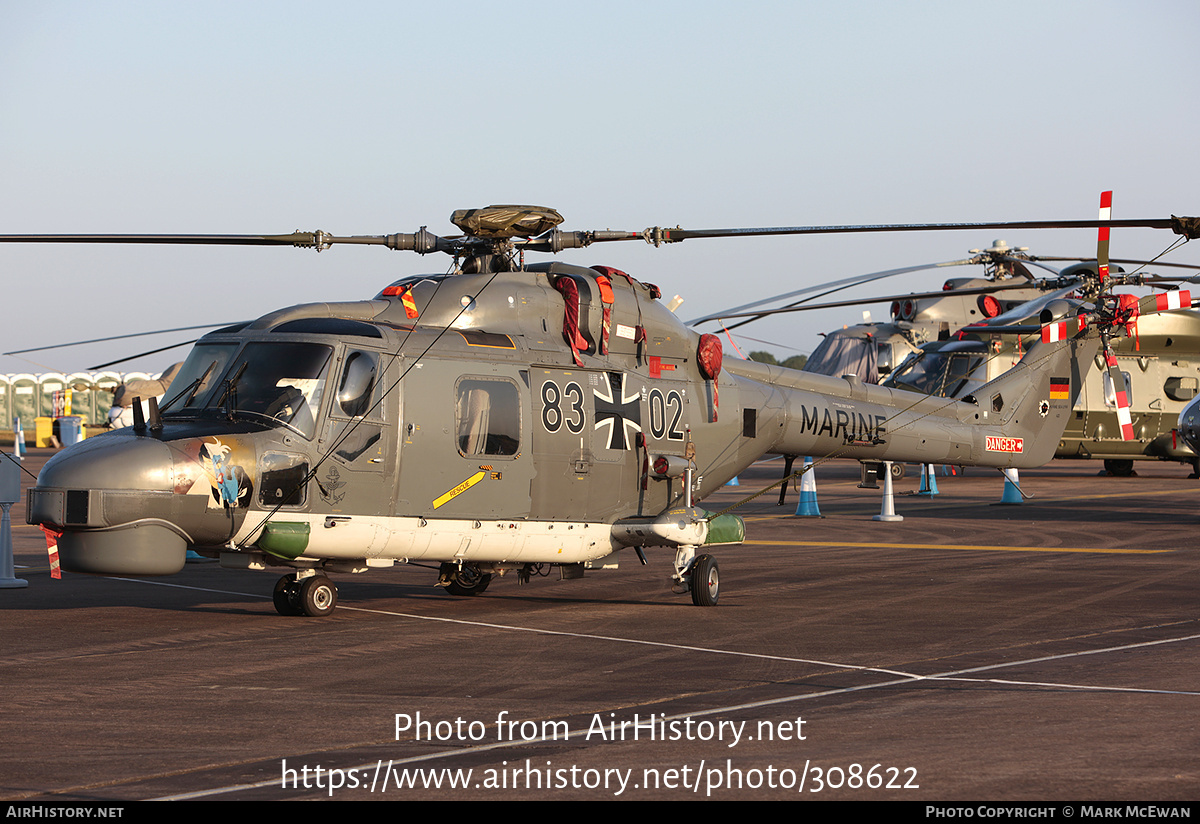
point(118, 337)
point(844, 283)
point(979, 290)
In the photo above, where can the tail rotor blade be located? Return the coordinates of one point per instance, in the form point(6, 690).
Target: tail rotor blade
point(1123, 314)
point(1120, 395)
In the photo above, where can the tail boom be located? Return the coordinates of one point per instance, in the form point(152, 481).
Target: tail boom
point(1015, 420)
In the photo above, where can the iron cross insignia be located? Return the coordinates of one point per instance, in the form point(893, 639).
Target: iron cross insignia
point(617, 411)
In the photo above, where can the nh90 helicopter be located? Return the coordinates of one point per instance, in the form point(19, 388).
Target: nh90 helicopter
point(949, 342)
point(503, 418)
point(872, 349)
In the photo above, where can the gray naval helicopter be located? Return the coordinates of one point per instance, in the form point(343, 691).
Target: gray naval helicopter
point(505, 418)
point(950, 342)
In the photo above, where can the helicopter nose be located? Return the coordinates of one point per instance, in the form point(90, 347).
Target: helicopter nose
point(1189, 424)
point(110, 461)
point(112, 499)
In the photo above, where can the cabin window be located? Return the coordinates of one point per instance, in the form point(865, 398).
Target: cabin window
point(1110, 396)
point(487, 417)
point(272, 382)
point(1181, 389)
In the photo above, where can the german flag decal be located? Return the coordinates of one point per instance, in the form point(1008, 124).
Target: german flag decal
point(1060, 389)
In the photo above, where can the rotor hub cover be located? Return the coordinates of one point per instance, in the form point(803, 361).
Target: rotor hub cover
point(501, 222)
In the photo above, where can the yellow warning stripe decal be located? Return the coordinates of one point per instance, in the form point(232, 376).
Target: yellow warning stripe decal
point(461, 488)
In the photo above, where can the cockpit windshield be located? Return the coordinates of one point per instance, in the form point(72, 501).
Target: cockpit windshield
point(274, 381)
point(949, 374)
point(198, 376)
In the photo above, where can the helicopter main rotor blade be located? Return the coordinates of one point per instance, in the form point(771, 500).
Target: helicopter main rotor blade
point(422, 242)
point(844, 283)
point(1131, 261)
point(554, 240)
point(1189, 227)
point(117, 337)
point(978, 290)
point(294, 239)
point(141, 355)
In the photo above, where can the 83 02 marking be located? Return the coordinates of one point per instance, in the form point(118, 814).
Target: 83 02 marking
point(664, 406)
point(552, 413)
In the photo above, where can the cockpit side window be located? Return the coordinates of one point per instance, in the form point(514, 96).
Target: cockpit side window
point(356, 395)
point(357, 413)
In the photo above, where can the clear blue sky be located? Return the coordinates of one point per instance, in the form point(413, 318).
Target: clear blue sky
point(373, 117)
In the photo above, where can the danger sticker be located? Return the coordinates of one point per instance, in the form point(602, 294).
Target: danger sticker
point(996, 444)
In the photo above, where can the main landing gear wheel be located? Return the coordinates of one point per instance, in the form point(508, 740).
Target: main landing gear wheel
point(286, 590)
point(898, 471)
point(465, 580)
point(1119, 468)
point(314, 596)
point(706, 581)
point(317, 596)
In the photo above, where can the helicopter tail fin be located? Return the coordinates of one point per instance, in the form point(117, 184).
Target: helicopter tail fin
point(1029, 406)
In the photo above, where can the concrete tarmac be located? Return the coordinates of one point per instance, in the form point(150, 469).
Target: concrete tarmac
point(972, 652)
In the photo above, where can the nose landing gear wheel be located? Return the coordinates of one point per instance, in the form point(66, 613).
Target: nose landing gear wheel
point(706, 581)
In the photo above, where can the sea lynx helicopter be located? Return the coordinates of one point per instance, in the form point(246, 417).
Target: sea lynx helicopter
point(950, 342)
point(507, 417)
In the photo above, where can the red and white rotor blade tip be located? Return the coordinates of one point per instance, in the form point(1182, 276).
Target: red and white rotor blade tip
point(1165, 301)
point(1063, 329)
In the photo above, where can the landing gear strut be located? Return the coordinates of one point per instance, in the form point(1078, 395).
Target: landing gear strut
point(314, 595)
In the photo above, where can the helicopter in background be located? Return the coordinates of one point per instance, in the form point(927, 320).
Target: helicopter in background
point(503, 418)
point(949, 343)
point(1159, 373)
point(872, 349)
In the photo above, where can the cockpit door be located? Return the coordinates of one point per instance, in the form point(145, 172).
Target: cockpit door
point(359, 438)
